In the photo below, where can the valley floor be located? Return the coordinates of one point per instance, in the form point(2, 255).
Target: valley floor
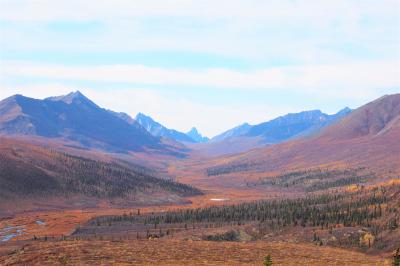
point(181, 252)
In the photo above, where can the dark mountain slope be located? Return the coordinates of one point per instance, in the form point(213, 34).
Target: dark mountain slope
point(74, 117)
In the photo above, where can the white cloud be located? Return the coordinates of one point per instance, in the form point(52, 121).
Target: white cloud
point(50, 10)
point(352, 80)
point(301, 30)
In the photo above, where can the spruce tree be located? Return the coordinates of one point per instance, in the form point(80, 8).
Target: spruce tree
point(267, 260)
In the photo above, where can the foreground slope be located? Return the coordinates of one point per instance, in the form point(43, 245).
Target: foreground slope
point(180, 252)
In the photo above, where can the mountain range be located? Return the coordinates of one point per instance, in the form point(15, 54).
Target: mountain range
point(368, 136)
point(75, 118)
point(245, 137)
point(294, 125)
point(284, 128)
point(271, 132)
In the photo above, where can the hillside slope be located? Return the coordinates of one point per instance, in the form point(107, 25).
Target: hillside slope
point(32, 171)
point(371, 120)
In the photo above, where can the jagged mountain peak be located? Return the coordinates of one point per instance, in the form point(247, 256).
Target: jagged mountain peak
point(146, 121)
point(158, 130)
point(142, 115)
point(194, 134)
point(193, 130)
point(73, 97)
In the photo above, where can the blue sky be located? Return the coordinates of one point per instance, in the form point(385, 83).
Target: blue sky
point(209, 64)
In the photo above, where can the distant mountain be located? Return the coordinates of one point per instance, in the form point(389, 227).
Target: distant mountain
point(294, 125)
point(284, 127)
point(234, 132)
point(158, 130)
point(74, 117)
point(194, 134)
point(291, 126)
point(368, 136)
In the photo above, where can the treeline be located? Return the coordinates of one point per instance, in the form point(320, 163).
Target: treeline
point(321, 210)
point(67, 174)
point(227, 169)
point(316, 179)
point(111, 180)
point(327, 210)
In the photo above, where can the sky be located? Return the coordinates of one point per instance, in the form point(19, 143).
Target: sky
point(210, 64)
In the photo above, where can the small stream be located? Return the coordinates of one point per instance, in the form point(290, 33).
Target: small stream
point(9, 232)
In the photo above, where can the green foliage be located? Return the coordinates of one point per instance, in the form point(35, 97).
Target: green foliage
point(356, 209)
point(228, 236)
point(221, 170)
point(316, 179)
point(317, 210)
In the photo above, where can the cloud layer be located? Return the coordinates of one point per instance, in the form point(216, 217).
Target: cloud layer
point(337, 80)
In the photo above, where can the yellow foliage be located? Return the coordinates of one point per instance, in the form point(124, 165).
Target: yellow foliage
point(367, 240)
